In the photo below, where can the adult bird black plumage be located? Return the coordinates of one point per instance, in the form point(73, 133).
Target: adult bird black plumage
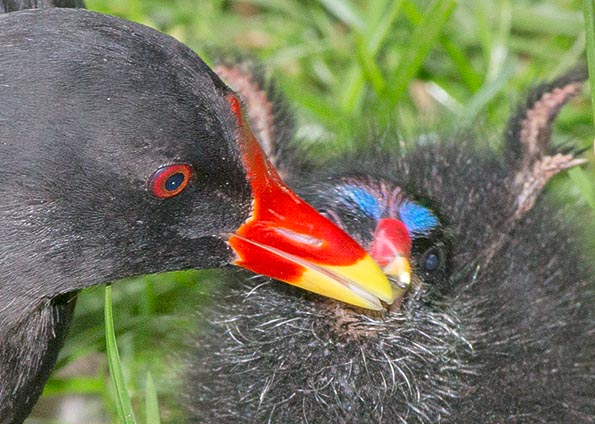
point(124, 154)
point(495, 326)
point(7, 6)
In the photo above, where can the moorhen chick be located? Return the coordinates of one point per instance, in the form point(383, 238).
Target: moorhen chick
point(497, 323)
point(127, 155)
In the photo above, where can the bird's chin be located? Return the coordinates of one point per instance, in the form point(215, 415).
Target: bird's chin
point(354, 322)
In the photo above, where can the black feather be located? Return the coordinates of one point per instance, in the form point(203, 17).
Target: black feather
point(91, 106)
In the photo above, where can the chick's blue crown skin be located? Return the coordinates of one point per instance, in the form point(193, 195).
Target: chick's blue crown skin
point(377, 204)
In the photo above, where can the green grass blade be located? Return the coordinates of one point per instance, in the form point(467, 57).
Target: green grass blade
point(487, 93)
point(152, 403)
point(589, 12)
point(584, 184)
point(422, 40)
point(382, 28)
point(79, 385)
point(460, 59)
point(369, 66)
point(545, 19)
point(345, 12)
point(368, 45)
point(123, 404)
point(292, 10)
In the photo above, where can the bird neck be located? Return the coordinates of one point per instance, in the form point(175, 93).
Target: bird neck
point(31, 339)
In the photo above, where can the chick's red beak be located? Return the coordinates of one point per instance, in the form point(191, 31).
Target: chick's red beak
point(287, 239)
point(391, 249)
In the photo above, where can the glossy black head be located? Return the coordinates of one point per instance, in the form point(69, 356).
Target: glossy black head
point(126, 101)
point(7, 6)
point(143, 151)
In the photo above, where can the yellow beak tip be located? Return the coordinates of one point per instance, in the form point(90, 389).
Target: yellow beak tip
point(362, 284)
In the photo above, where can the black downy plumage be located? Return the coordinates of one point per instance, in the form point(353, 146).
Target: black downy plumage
point(498, 326)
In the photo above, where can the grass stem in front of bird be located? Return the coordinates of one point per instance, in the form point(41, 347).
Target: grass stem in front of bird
point(589, 13)
point(151, 403)
point(123, 404)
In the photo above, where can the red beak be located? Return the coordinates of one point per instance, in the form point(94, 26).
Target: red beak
point(287, 239)
point(391, 249)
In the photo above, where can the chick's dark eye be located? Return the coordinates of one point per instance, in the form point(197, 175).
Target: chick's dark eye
point(430, 260)
point(170, 180)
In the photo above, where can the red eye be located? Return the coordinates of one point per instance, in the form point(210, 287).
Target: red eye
point(170, 180)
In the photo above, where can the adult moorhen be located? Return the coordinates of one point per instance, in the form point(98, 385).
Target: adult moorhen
point(7, 6)
point(497, 324)
point(127, 155)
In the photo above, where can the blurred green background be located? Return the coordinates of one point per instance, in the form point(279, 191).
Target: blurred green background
point(346, 66)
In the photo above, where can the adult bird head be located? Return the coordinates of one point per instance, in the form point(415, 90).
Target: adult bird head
point(123, 154)
point(144, 150)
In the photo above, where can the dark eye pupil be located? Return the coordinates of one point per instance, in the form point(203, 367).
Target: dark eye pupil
point(431, 262)
point(174, 181)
